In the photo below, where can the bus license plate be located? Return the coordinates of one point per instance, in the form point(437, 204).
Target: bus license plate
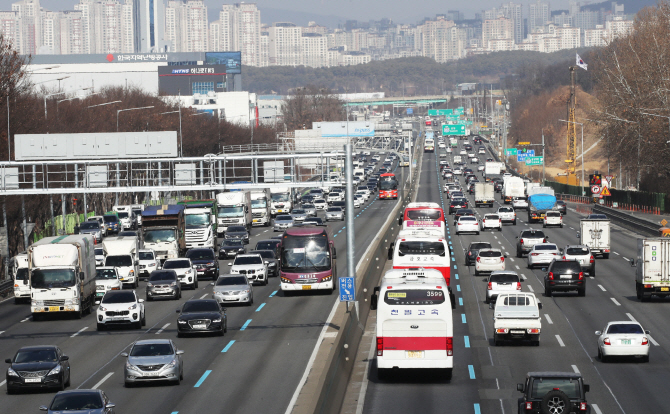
point(665, 289)
point(414, 354)
point(306, 287)
point(54, 308)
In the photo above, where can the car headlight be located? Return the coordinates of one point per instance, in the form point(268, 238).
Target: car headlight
point(102, 308)
point(327, 278)
point(181, 322)
point(38, 303)
point(55, 371)
point(152, 264)
point(246, 291)
point(68, 301)
point(130, 273)
point(12, 373)
point(216, 320)
point(188, 272)
point(173, 284)
point(131, 367)
point(149, 284)
point(133, 307)
point(172, 364)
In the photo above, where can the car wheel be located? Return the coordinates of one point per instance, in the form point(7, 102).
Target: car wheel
point(547, 292)
point(487, 300)
point(138, 324)
point(144, 320)
point(383, 374)
point(195, 284)
point(496, 341)
point(61, 386)
point(69, 377)
point(518, 254)
point(220, 333)
point(128, 384)
point(179, 294)
point(180, 335)
point(645, 358)
point(149, 298)
point(225, 327)
point(514, 222)
point(499, 228)
point(592, 272)
point(582, 292)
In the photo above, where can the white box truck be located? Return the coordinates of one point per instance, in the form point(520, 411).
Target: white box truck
point(595, 233)
point(484, 194)
point(122, 253)
point(280, 200)
point(652, 273)
point(62, 275)
point(529, 188)
point(234, 209)
point(458, 160)
point(260, 208)
point(19, 271)
point(513, 188)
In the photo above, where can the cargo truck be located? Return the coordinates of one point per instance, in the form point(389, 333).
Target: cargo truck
point(516, 316)
point(538, 205)
point(484, 194)
point(652, 273)
point(595, 233)
point(234, 209)
point(280, 200)
point(164, 230)
point(200, 222)
point(458, 160)
point(122, 254)
point(260, 208)
point(19, 271)
point(513, 187)
point(62, 275)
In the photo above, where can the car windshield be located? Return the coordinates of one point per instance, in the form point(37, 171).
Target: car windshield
point(467, 218)
point(532, 235)
point(231, 211)
point(176, 264)
point(21, 274)
point(99, 252)
point(110, 219)
point(201, 306)
point(204, 254)
point(146, 255)
point(159, 236)
point(625, 328)
point(122, 214)
point(545, 247)
point(279, 197)
point(491, 217)
point(315, 220)
point(232, 243)
point(504, 278)
point(283, 217)
point(89, 225)
point(118, 261)
point(505, 210)
point(156, 276)
point(565, 267)
point(489, 253)
point(52, 278)
point(308, 206)
point(266, 245)
point(261, 203)
point(569, 386)
point(106, 274)
point(577, 251)
point(266, 254)
point(477, 246)
point(597, 216)
point(236, 229)
point(119, 296)
point(231, 280)
point(76, 402)
point(145, 350)
point(421, 247)
point(36, 355)
point(298, 211)
point(247, 260)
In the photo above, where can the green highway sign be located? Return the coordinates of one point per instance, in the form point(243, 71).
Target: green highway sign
point(453, 117)
point(459, 111)
point(510, 151)
point(466, 122)
point(453, 129)
point(534, 160)
point(440, 112)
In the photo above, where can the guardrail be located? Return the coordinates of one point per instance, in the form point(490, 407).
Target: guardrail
point(574, 198)
point(636, 224)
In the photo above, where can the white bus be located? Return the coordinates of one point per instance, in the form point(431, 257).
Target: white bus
point(421, 247)
point(414, 322)
point(429, 145)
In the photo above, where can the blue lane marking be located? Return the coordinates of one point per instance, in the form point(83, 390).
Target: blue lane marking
point(175, 412)
point(458, 288)
point(460, 301)
point(450, 243)
point(463, 318)
point(467, 341)
point(477, 410)
point(455, 267)
point(456, 276)
point(245, 325)
point(228, 346)
point(260, 307)
point(449, 237)
point(472, 371)
point(203, 378)
point(274, 293)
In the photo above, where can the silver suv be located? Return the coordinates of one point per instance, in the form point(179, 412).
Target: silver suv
point(527, 239)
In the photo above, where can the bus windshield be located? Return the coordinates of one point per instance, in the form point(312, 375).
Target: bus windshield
point(388, 185)
point(432, 248)
point(424, 215)
point(52, 278)
point(305, 254)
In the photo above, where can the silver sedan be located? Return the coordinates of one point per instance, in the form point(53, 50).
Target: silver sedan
point(334, 213)
point(233, 289)
point(153, 360)
point(283, 222)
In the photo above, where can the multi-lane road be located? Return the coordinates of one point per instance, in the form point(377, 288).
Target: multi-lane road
point(255, 368)
point(485, 376)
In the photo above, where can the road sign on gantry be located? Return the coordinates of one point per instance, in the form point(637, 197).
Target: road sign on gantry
point(453, 129)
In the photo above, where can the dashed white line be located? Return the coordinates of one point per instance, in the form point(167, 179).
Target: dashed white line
point(652, 340)
point(615, 302)
point(631, 317)
point(624, 258)
point(602, 288)
point(495, 237)
point(574, 368)
point(596, 409)
point(616, 253)
point(105, 378)
point(517, 267)
point(1, 332)
point(511, 258)
point(560, 341)
point(531, 289)
point(162, 329)
point(24, 320)
point(549, 321)
point(572, 228)
point(203, 296)
point(79, 331)
point(3, 383)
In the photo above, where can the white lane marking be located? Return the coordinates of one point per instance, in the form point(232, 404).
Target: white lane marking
point(615, 302)
point(591, 277)
point(652, 340)
point(531, 288)
point(24, 320)
point(162, 329)
point(602, 288)
point(624, 258)
point(631, 317)
point(203, 296)
point(499, 242)
point(548, 319)
point(495, 237)
point(364, 386)
point(511, 258)
point(523, 277)
point(3, 383)
point(105, 378)
point(596, 409)
point(517, 267)
point(1, 332)
point(572, 228)
point(560, 341)
point(616, 253)
point(574, 368)
point(79, 331)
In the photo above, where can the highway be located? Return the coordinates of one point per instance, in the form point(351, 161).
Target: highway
point(254, 368)
point(485, 376)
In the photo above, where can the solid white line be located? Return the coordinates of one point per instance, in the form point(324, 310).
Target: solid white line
point(1, 332)
point(79, 331)
point(616, 253)
point(102, 380)
point(602, 288)
point(615, 302)
point(162, 329)
point(531, 288)
point(631, 317)
point(9, 298)
point(548, 319)
point(652, 340)
point(574, 368)
point(364, 386)
point(560, 341)
point(596, 409)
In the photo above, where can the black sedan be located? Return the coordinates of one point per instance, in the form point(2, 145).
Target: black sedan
point(270, 259)
point(38, 367)
point(562, 207)
point(272, 244)
point(237, 233)
point(231, 248)
point(205, 261)
point(456, 205)
point(201, 316)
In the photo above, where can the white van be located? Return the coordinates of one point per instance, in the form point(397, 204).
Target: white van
point(121, 253)
point(19, 272)
point(415, 328)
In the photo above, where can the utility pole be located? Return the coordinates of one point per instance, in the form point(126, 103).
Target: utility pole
point(543, 161)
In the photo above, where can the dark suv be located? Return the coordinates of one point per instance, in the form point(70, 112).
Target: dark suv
point(564, 275)
point(553, 392)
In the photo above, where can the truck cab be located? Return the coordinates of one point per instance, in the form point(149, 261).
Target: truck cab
point(233, 209)
point(260, 208)
point(200, 222)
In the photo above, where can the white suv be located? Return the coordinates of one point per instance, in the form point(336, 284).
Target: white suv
point(489, 260)
point(491, 221)
point(251, 265)
point(552, 218)
point(507, 215)
point(121, 307)
point(502, 281)
point(148, 262)
point(186, 271)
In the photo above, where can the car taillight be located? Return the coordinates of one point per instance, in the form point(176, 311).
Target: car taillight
point(478, 259)
point(581, 275)
point(606, 341)
point(521, 241)
point(380, 346)
point(529, 405)
point(551, 275)
point(450, 346)
point(502, 260)
point(469, 253)
point(518, 285)
point(490, 286)
point(535, 254)
point(502, 330)
point(563, 257)
point(582, 406)
point(592, 260)
point(645, 341)
point(544, 240)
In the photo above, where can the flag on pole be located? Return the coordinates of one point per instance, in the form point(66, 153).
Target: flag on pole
point(581, 63)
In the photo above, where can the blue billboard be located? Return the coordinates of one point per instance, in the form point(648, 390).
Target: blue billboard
point(231, 60)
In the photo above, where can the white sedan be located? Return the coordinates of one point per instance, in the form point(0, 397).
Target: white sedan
point(489, 260)
point(320, 204)
point(467, 224)
point(623, 338)
point(519, 203)
point(543, 254)
point(463, 152)
point(491, 221)
point(480, 167)
point(358, 201)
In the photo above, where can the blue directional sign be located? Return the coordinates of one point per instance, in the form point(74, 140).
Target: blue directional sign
point(410, 111)
point(347, 292)
point(521, 156)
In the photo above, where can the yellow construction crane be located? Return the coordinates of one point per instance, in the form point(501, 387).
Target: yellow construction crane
point(572, 127)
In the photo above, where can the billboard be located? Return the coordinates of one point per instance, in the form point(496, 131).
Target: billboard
point(231, 60)
point(345, 129)
point(453, 129)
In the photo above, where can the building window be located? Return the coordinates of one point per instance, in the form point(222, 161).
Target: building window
point(220, 85)
point(203, 87)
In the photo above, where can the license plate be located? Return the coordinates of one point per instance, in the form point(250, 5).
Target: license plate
point(149, 374)
point(414, 354)
point(162, 291)
point(254, 221)
point(100, 294)
point(109, 228)
point(517, 332)
point(665, 289)
point(625, 342)
point(199, 326)
point(306, 287)
point(33, 380)
point(566, 276)
point(54, 308)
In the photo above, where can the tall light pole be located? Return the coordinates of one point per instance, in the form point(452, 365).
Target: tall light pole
point(181, 139)
point(118, 111)
point(103, 104)
point(45, 101)
point(582, 125)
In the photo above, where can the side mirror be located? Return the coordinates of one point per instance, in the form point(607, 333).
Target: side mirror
point(632, 262)
point(97, 302)
point(539, 305)
point(8, 360)
point(390, 255)
point(587, 388)
point(180, 352)
point(124, 354)
point(599, 333)
point(520, 388)
point(399, 221)
point(110, 405)
point(491, 305)
point(195, 266)
point(140, 300)
point(577, 234)
point(373, 302)
point(65, 358)
point(82, 276)
point(647, 332)
point(561, 251)
point(230, 264)
point(43, 408)
point(544, 269)
point(211, 284)
point(177, 311)
point(25, 281)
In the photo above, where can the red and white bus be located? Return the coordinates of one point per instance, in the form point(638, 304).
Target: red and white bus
point(428, 121)
point(423, 215)
point(307, 259)
point(388, 186)
point(426, 248)
point(415, 326)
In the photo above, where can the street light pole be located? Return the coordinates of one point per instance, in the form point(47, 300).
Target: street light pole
point(45, 101)
point(118, 111)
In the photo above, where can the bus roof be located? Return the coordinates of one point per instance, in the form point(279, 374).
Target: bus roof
point(412, 275)
point(387, 175)
point(423, 205)
point(307, 231)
